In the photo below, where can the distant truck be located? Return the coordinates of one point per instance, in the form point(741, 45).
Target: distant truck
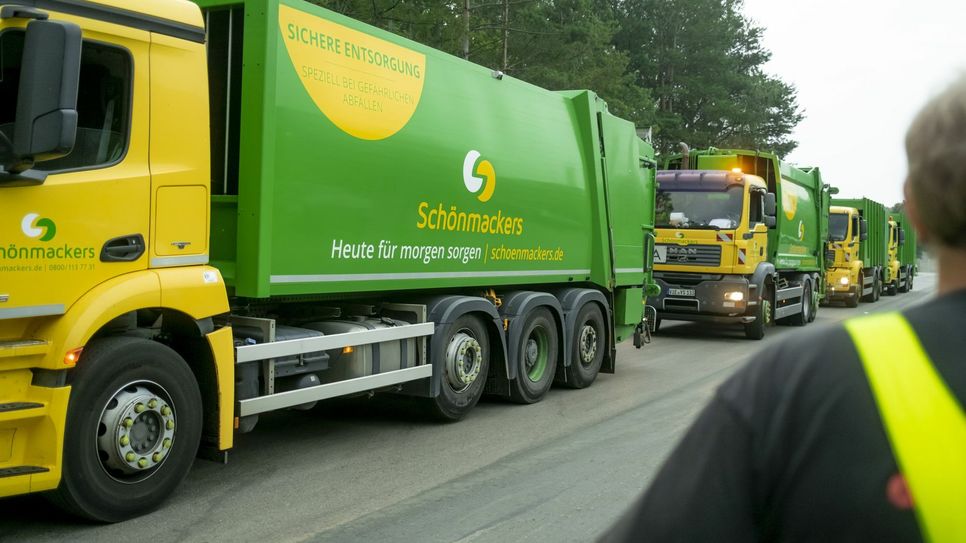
point(858, 250)
point(740, 239)
point(865, 249)
point(264, 204)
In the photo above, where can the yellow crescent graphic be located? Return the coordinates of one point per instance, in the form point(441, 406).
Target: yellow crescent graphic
point(485, 169)
point(365, 85)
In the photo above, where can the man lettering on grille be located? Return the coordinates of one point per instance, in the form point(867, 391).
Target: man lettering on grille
point(853, 433)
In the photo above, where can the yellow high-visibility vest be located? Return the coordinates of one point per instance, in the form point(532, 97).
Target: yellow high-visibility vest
point(925, 425)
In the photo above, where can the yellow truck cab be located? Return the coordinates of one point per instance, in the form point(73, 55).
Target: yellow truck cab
point(846, 279)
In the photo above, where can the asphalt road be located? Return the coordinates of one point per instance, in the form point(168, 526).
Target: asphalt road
point(560, 470)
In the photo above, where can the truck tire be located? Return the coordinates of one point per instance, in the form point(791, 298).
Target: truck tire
point(132, 431)
point(588, 347)
point(893, 287)
point(465, 361)
point(763, 315)
point(537, 355)
point(813, 314)
point(877, 289)
point(853, 301)
point(904, 287)
point(870, 297)
point(805, 316)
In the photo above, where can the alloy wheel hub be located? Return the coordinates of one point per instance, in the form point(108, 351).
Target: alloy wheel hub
point(136, 430)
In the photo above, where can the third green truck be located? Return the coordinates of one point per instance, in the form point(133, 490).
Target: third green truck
point(740, 239)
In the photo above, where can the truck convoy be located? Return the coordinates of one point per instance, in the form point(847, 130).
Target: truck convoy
point(262, 204)
point(740, 239)
point(867, 252)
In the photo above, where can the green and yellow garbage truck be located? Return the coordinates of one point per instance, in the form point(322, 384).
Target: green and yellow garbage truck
point(858, 250)
point(740, 239)
point(256, 205)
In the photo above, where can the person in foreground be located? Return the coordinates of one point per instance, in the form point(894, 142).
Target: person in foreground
point(853, 433)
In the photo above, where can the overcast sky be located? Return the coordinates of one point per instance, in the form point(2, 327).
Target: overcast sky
point(863, 68)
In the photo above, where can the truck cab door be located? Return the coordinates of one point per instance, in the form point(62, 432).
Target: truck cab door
point(86, 222)
point(179, 153)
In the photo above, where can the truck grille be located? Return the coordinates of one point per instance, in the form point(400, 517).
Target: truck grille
point(694, 255)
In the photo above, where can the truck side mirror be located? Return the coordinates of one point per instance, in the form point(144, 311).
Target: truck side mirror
point(863, 230)
point(46, 124)
point(770, 210)
point(902, 236)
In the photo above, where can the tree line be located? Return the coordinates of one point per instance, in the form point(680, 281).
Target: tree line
point(691, 69)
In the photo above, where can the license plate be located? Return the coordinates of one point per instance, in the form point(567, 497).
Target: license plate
point(681, 292)
point(660, 254)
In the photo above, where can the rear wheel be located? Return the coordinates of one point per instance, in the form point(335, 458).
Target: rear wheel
point(537, 355)
point(133, 429)
point(893, 287)
point(805, 316)
point(465, 361)
point(813, 301)
point(589, 344)
point(876, 289)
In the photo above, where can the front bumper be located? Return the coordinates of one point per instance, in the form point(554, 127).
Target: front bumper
point(709, 302)
point(835, 289)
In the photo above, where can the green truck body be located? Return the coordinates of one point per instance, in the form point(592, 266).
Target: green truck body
point(449, 177)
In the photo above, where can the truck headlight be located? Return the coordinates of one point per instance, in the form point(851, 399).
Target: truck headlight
point(844, 281)
point(735, 296)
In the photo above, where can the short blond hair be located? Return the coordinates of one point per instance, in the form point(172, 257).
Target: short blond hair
point(936, 150)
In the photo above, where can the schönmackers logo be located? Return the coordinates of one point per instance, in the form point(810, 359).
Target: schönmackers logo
point(479, 177)
point(35, 226)
point(479, 174)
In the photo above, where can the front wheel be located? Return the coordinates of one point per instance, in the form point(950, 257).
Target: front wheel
point(133, 429)
point(763, 316)
point(536, 357)
point(853, 301)
point(589, 344)
point(465, 361)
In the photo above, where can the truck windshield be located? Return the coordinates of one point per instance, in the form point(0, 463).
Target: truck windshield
point(716, 210)
point(838, 226)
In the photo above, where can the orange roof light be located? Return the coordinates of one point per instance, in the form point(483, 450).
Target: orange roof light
point(735, 170)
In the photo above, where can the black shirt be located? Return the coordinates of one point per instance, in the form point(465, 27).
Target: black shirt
point(792, 447)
